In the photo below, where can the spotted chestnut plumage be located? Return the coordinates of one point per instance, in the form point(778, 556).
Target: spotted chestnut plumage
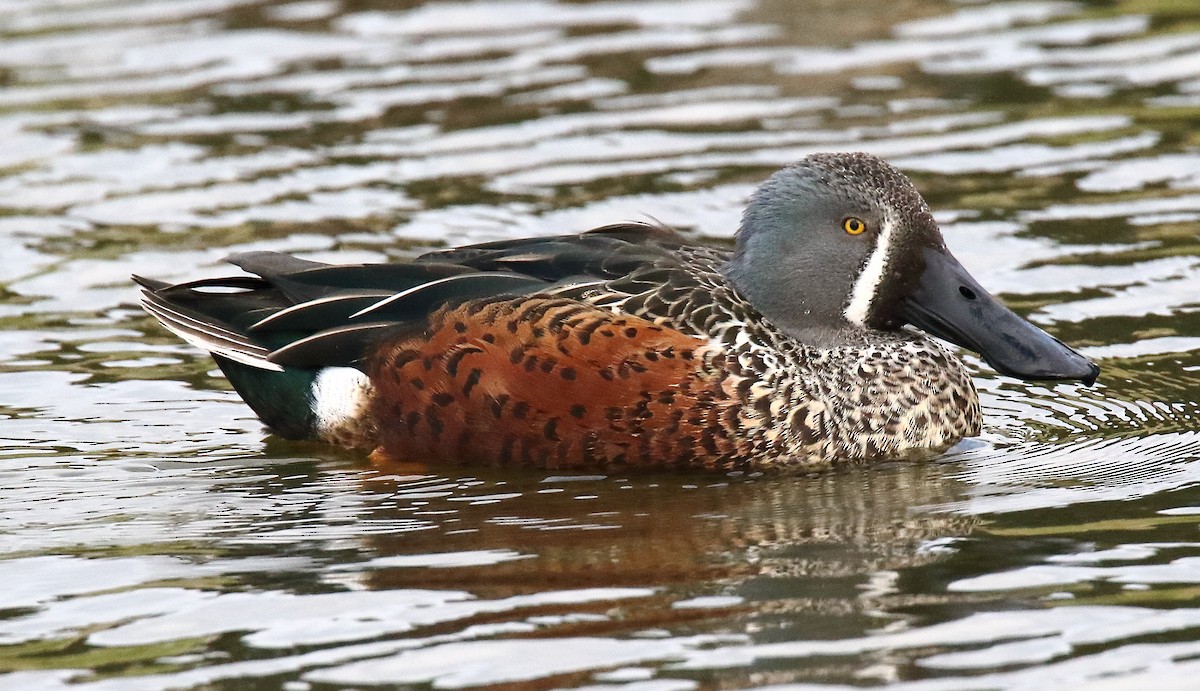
point(627, 345)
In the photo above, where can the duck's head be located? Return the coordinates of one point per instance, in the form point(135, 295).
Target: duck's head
point(843, 242)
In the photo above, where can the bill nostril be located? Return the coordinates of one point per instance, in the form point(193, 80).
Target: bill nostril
point(966, 292)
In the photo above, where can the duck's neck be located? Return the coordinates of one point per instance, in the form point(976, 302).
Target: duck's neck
point(792, 304)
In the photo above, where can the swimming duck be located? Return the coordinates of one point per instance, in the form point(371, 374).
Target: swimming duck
point(628, 345)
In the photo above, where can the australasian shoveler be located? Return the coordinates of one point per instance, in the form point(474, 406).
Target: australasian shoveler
point(629, 346)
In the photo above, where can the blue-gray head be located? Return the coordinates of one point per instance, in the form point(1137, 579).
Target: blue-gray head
point(843, 242)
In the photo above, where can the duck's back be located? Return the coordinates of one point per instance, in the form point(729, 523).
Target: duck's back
point(633, 269)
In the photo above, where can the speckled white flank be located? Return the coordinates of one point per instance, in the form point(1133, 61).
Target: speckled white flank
point(863, 295)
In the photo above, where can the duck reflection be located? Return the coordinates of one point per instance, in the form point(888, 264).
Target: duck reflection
point(821, 539)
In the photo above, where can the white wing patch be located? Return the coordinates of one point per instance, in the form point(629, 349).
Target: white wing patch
point(867, 285)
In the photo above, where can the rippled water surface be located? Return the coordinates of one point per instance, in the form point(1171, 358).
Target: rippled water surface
point(152, 536)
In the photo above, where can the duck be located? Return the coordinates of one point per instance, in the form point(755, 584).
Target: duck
point(815, 340)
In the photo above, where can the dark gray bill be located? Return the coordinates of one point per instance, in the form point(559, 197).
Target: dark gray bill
point(950, 304)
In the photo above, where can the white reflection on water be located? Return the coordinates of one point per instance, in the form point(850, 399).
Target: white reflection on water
point(284, 620)
point(34, 581)
point(1182, 570)
point(459, 665)
point(968, 52)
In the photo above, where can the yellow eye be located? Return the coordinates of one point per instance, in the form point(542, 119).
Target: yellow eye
point(853, 226)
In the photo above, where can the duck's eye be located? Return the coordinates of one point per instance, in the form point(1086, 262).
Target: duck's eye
point(853, 225)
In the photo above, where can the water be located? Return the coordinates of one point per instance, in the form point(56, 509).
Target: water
point(152, 537)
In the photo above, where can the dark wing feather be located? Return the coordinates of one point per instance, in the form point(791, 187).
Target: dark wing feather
point(419, 301)
point(302, 313)
point(171, 306)
point(301, 280)
point(320, 313)
point(271, 265)
point(343, 345)
point(608, 252)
